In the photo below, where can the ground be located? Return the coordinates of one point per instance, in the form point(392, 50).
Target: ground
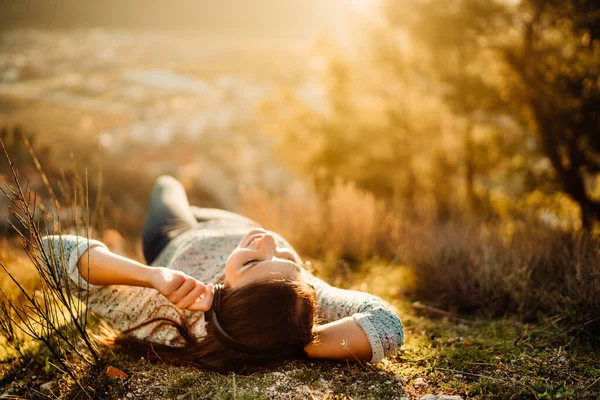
point(501, 358)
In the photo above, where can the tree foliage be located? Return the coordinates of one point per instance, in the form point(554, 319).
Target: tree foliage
point(444, 104)
point(557, 63)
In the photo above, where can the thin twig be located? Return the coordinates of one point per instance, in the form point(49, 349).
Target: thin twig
point(478, 375)
point(438, 313)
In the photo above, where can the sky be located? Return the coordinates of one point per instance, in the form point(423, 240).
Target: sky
point(297, 20)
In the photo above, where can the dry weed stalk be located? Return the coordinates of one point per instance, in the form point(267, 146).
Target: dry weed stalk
point(53, 315)
point(8, 330)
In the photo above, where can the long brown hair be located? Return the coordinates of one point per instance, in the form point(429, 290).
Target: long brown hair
point(276, 316)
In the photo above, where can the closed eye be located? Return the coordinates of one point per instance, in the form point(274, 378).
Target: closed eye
point(248, 262)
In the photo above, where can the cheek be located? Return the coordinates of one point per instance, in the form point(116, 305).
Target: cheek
point(230, 274)
point(231, 265)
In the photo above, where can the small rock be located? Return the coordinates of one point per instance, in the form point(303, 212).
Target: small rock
point(129, 395)
point(440, 397)
point(48, 387)
point(116, 373)
point(419, 382)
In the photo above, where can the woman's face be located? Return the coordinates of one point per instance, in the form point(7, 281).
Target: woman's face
point(257, 258)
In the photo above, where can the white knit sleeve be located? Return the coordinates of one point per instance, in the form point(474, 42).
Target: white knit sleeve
point(63, 252)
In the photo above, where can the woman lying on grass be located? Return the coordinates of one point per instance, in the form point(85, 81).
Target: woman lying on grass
point(222, 293)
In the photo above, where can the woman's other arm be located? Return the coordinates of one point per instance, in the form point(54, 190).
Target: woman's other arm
point(357, 325)
point(343, 339)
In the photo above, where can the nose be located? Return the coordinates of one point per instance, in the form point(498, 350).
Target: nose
point(266, 243)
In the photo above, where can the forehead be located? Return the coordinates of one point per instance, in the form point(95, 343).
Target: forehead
point(272, 269)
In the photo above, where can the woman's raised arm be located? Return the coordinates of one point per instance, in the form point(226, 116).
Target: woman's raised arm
point(89, 263)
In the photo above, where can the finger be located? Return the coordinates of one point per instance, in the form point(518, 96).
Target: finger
point(205, 301)
point(192, 296)
point(174, 282)
point(183, 290)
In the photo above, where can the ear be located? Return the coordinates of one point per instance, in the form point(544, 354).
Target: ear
point(311, 347)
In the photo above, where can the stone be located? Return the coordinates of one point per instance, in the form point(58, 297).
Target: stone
point(49, 387)
point(420, 382)
point(115, 373)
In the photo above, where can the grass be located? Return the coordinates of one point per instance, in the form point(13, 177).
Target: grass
point(501, 358)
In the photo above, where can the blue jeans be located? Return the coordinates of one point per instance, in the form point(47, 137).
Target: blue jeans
point(170, 215)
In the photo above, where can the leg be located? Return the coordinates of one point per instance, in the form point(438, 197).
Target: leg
point(169, 215)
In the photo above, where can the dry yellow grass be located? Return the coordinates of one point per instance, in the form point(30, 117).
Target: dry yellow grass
point(19, 266)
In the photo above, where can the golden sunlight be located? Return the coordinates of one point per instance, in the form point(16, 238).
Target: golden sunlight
point(363, 5)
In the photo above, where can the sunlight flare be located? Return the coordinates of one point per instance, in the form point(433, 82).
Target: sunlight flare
point(363, 5)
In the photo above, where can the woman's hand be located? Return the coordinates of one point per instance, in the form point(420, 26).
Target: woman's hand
point(183, 290)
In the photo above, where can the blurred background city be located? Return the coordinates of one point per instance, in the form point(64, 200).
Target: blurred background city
point(161, 88)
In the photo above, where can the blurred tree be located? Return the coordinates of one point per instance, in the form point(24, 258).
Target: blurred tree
point(452, 38)
point(491, 94)
point(546, 79)
point(371, 131)
point(557, 62)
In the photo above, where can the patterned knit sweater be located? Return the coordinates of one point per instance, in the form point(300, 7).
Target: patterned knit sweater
point(202, 253)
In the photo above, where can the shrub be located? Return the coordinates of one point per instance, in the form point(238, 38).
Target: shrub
point(488, 269)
